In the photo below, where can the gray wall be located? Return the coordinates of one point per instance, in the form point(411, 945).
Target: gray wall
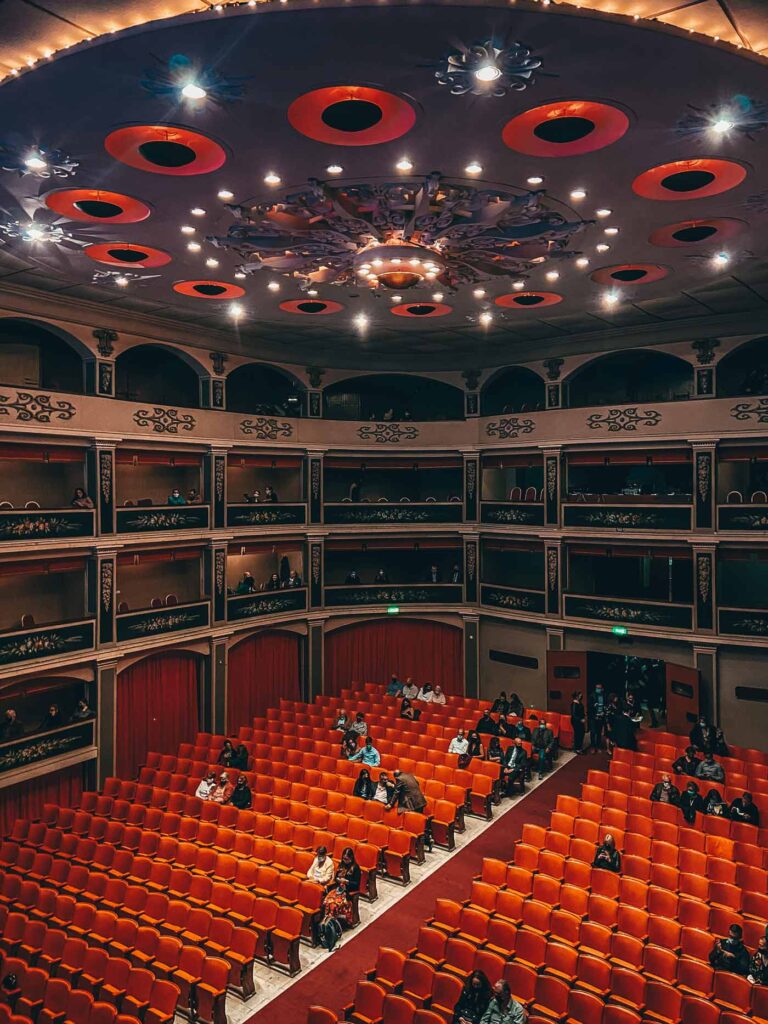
point(745, 722)
point(513, 638)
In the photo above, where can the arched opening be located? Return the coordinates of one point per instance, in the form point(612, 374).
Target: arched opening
point(627, 377)
point(513, 390)
point(744, 371)
point(152, 373)
point(393, 396)
point(264, 391)
point(261, 669)
point(35, 356)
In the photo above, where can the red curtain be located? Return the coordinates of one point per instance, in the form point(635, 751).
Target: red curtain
point(369, 652)
point(26, 799)
point(156, 708)
point(261, 670)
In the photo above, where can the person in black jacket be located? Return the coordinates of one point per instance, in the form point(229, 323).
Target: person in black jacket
point(516, 706)
point(364, 786)
point(578, 722)
point(714, 804)
point(474, 999)
point(514, 766)
point(242, 797)
point(487, 725)
point(691, 802)
point(665, 793)
point(687, 763)
point(501, 704)
point(597, 708)
point(623, 730)
point(702, 736)
point(607, 856)
point(742, 809)
point(730, 954)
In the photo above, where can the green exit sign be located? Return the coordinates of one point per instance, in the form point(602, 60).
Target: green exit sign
point(393, 610)
point(619, 630)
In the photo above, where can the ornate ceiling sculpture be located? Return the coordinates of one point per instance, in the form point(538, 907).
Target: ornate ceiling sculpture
point(400, 234)
point(489, 70)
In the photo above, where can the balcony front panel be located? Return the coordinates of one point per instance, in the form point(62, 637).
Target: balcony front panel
point(512, 513)
point(629, 612)
point(512, 599)
point(399, 513)
point(277, 514)
point(153, 622)
point(627, 516)
point(743, 622)
point(275, 602)
point(46, 524)
point(751, 518)
point(153, 518)
point(46, 641)
point(408, 593)
point(30, 750)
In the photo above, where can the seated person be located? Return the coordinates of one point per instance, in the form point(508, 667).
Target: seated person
point(194, 497)
point(434, 575)
point(687, 763)
point(11, 727)
point(714, 804)
point(349, 744)
point(455, 574)
point(503, 1009)
point(515, 706)
point(522, 730)
point(665, 793)
point(360, 726)
point(176, 497)
point(254, 498)
point(607, 856)
point(425, 693)
point(385, 787)
point(543, 743)
point(365, 787)
point(394, 686)
point(273, 583)
point(515, 765)
point(82, 712)
point(475, 748)
point(52, 720)
point(710, 770)
point(506, 728)
point(352, 580)
point(381, 577)
point(742, 809)
point(241, 757)
point(474, 999)
point(721, 747)
point(226, 755)
point(495, 753)
point(758, 966)
point(730, 954)
point(223, 790)
point(486, 725)
point(206, 787)
point(247, 585)
point(80, 499)
point(691, 802)
point(459, 744)
point(270, 494)
point(321, 868)
point(242, 797)
point(501, 704)
point(294, 580)
point(438, 697)
point(407, 710)
point(342, 722)
point(410, 690)
point(368, 754)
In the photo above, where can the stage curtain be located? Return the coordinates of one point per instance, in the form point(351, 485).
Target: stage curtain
point(261, 669)
point(26, 799)
point(369, 652)
point(156, 708)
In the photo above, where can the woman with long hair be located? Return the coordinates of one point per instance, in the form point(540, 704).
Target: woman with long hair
point(474, 999)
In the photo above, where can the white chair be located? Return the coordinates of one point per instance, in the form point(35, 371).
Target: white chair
point(430, 499)
point(759, 498)
point(734, 498)
point(32, 504)
point(515, 494)
point(530, 494)
point(5, 504)
point(405, 501)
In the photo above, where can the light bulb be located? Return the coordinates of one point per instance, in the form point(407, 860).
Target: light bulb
point(193, 91)
point(236, 310)
point(722, 126)
point(187, 229)
point(722, 259)
point(437, 297)
point(611, 231)
point(211, 262)
point(518, 285)
point(35, 162)
point(194, 246)
point(479, 293)
point(240, 275)
point(473, 168)
point(487, 73)
point(486, 318)
point(602, 247)
point(225, 194)
point(334, 169)
point(197, 211)
point(535, 179)
point(431, 275)
point(361, 321)
point(603, 212)
point(397, 298)
point(272, 179)
point(404, 164)
point(582, 262)
point(610, 299)
point(552, 275)
point(121, 281)
point(312, 293)
point(579, 193)
point(274, 286)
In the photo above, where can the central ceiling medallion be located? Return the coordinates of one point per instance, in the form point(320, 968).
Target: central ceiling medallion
point(488, 70)
point(399, 235)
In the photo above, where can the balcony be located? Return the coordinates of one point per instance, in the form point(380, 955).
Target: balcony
point(153, 518)
point(750, 518)
point(630, 612)
point(29, 750)
point(46, 524)
point(257, 605)
point(743, 622)
point(512, 513)
point(58, 640)
point(386, 594)
point(618, 513)
point(150, 622)
point(292, 513)
point(513, 599)
point(401, 512)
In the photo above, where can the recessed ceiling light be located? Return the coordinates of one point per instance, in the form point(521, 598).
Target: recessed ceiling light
point(602, 247)
point(33, 233)
point(236, 310)
point(397, 298)
point(312, 293)
point(197, 211)
point(194, 246)
point(274, 286)
point(430, 275)
point(437, 296)
point(240, 275)
point(488, 73)
point(404, 164)
point(518, 285)
point(722, 259)
point(473, 168)
point(582, 261)
point(479, 293)
point(193, 91)
point(611, 231)
point(225, 194)
point(211, 262)
point(486, 318)
point(35, 162)
point(334, 169)
point(121, 281)
point(270, 178)
point(722, 126)
point(552, 275)
point(535, 179)
point(187, 229)
point(603, 212)
point(579, 193)
point(611, 299)
point(361, 321)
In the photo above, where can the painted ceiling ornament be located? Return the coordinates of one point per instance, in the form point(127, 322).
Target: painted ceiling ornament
point(742, 114)
point(39, 231)
point(486, 69)
point(121, 278)
point(169, 78)
point(38, 161)
point(397, 235)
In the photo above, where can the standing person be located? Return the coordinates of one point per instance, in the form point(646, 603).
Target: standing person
point(503, 1009)
point(702, 736)
point(543, 743)
point(623, 729)
point(321, 868)
point(474, 999)
point(597, 712)
point(578, 721)
point(691, 802)
point(730, 954)
point(407, 794)
point(515, 766)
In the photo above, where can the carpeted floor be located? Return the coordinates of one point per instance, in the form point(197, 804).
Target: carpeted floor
point(332, 984)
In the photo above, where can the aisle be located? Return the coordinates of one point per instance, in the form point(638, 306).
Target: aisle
point(332, 983)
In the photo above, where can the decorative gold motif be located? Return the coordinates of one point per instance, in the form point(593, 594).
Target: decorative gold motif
point(552, 568)
point(218, 476)
point(107, 578)
point(551, 478)
point(36, 408)
point(164, 421)
point(219, 570)
point(703, 474)
point(316, 563)
point(704, 576)
point(315, 478)
point(105, 476)
point(471, 561)
point(471, 478)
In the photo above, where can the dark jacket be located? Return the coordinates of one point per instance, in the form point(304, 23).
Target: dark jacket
point(596, 711)
point(623, 731)
point(515, 759)
point(690, 803)
point(674, 794)
point(578, 714)
point(500, 706)
point(703, 738)
point(736, 963)
point(241, 798)
point(487, 726)
point(522, 731)
point(684, 766)
point(471, 1006)
point(407, 794)
point(364, 787)
point(351, 876)
point(542, 739)
point(745, 812)
point(609, 860)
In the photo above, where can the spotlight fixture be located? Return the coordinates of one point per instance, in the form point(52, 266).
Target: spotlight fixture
point(722, 126)
point(488, 69)
point(404, 164)
point(473, 168)
point(479, 293)
point(437, 297)
point(487, 73)
point(361, 321)
point(398, 265)
point(602, 247)
point(582, 262)
point(240, 275)
point(121, 281)
point(194, 246)
point(603, 212)
point(193, 91)
point(518, 285)
point(552, 275)
point(397, 298)
point(211, 262)
point(610, 299)
point(197, 211)
point(270, 178)
point(578, 193)
point(225, 194)
point(486, 319)
point(312, 293)
point(334, 169)
point(535, 179)
point(35, 162)
point(722, 259)
point(611, 231)
point(236, 310)
point(274, 286)
point(187, 229)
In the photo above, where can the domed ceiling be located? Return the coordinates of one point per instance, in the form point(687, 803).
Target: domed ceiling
point(426, 186)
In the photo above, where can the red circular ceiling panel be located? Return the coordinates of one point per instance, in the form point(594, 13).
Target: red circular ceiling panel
point(351, 115)
point(689, 179)
point(528, 300)
point(568, 128)
point(209, 289)
point(696, 232)
point(630, 273)
point(311, 307)
point(96, 206)
point(126, 254)
point(421, 309)
point(165, 149)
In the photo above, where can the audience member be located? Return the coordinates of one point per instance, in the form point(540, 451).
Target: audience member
point(623, 729)
point(194, 497)
point(368, 754)
point(691, 802)
point(242, 757)
point(82, 712)
point(206, 787)
point(273, 583)
point(494, 753)
point(687, 763)
point(321, 868)
point(503, 1009)
point(381, 577)
point(385, 787)
point(487, 725)
point(703, 736)
point(52, 719)
point(459, 744)
point(665, 793)
point(522, 731)
point(270, 494)
point(475, 748)
point(80, 499)
point(407, 710)
point(742, 809)
point(223, 790)
point(730, 954)
point(710, 770)
point(474, 999)
point(514, 766)
point(597, 709)
point(226, 755)
point(364, 785)
point(714, 804)
point(253, 498)
point(11, 727)
point(438, 697)
point(410, 689)
point(425, 693)
point(607, 856)
point(434, 575)
point(543, 743)
point(516, 706)
point(247, 585)
point(578, 721)
point(501, 704)
point(352, 579)
point(349, 743)
point(342, 722)
point(360, 726)
point(455, 574)
point(758, 966)
point(407, 795)
point(348, 873)
point(721, 747)
point(176, 497)
point(505, 728)
point(394, 686)
point(294, 580)
point(242, 797)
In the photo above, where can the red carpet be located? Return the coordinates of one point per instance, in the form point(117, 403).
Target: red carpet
point(332, 984)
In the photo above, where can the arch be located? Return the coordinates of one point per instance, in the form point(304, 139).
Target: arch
point(637, 375)
point(262, 668)
point(371, 650)
point(512, 389)
point(405, 396)
point(158, 374)
point(37, 354)
point(744, 370)
point(265, 390)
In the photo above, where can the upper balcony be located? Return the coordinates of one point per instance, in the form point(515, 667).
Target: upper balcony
point(742, 591)
point(265, 490)
point(742, 488)
point(265, 579)
point(512, 489)
point(158, 490)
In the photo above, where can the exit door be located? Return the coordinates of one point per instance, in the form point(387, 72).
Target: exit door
point(682, 697)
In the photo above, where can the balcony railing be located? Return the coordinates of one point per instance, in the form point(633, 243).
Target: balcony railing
point(743, 622)
point(276, 602)
point(159, 621)
point(46, 641)
point(151, 518)
point(742, 517)
point(627, 516)
point(29, 750)
point(397, 512)
point(512, 598)
point(408, 593)
point(46, 524)
point(267, 514)
point(512, 513)
point(629, 611)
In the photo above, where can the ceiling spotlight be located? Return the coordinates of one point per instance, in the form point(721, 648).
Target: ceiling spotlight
point(236, 310)
point(473, 168)
point(579, 193)
point(187, 229)
point(552, 275)
point(431, 275)
point(312, 293)
point(518, 285)
point(603, 212)
point(121, 281)
point(225, 194)
point(582, 262)
point(486, 319)
point(194, 246)
point(610, 299)
point(487, 73)
point(33, 233)
point(397, 298)
point(535, 179)
point(611, 231)
point(602, 247)
point(240, 275)
point(197, 211)
point(437, 297)
point(722, 259)
point(211, 262)
point(334, 169)
point(404, 164)
point(479, 293)
point(35, 162)
point(274, 286)
point(272, 179)
point(193, 91)
point(722, 126)
point(361, 321)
